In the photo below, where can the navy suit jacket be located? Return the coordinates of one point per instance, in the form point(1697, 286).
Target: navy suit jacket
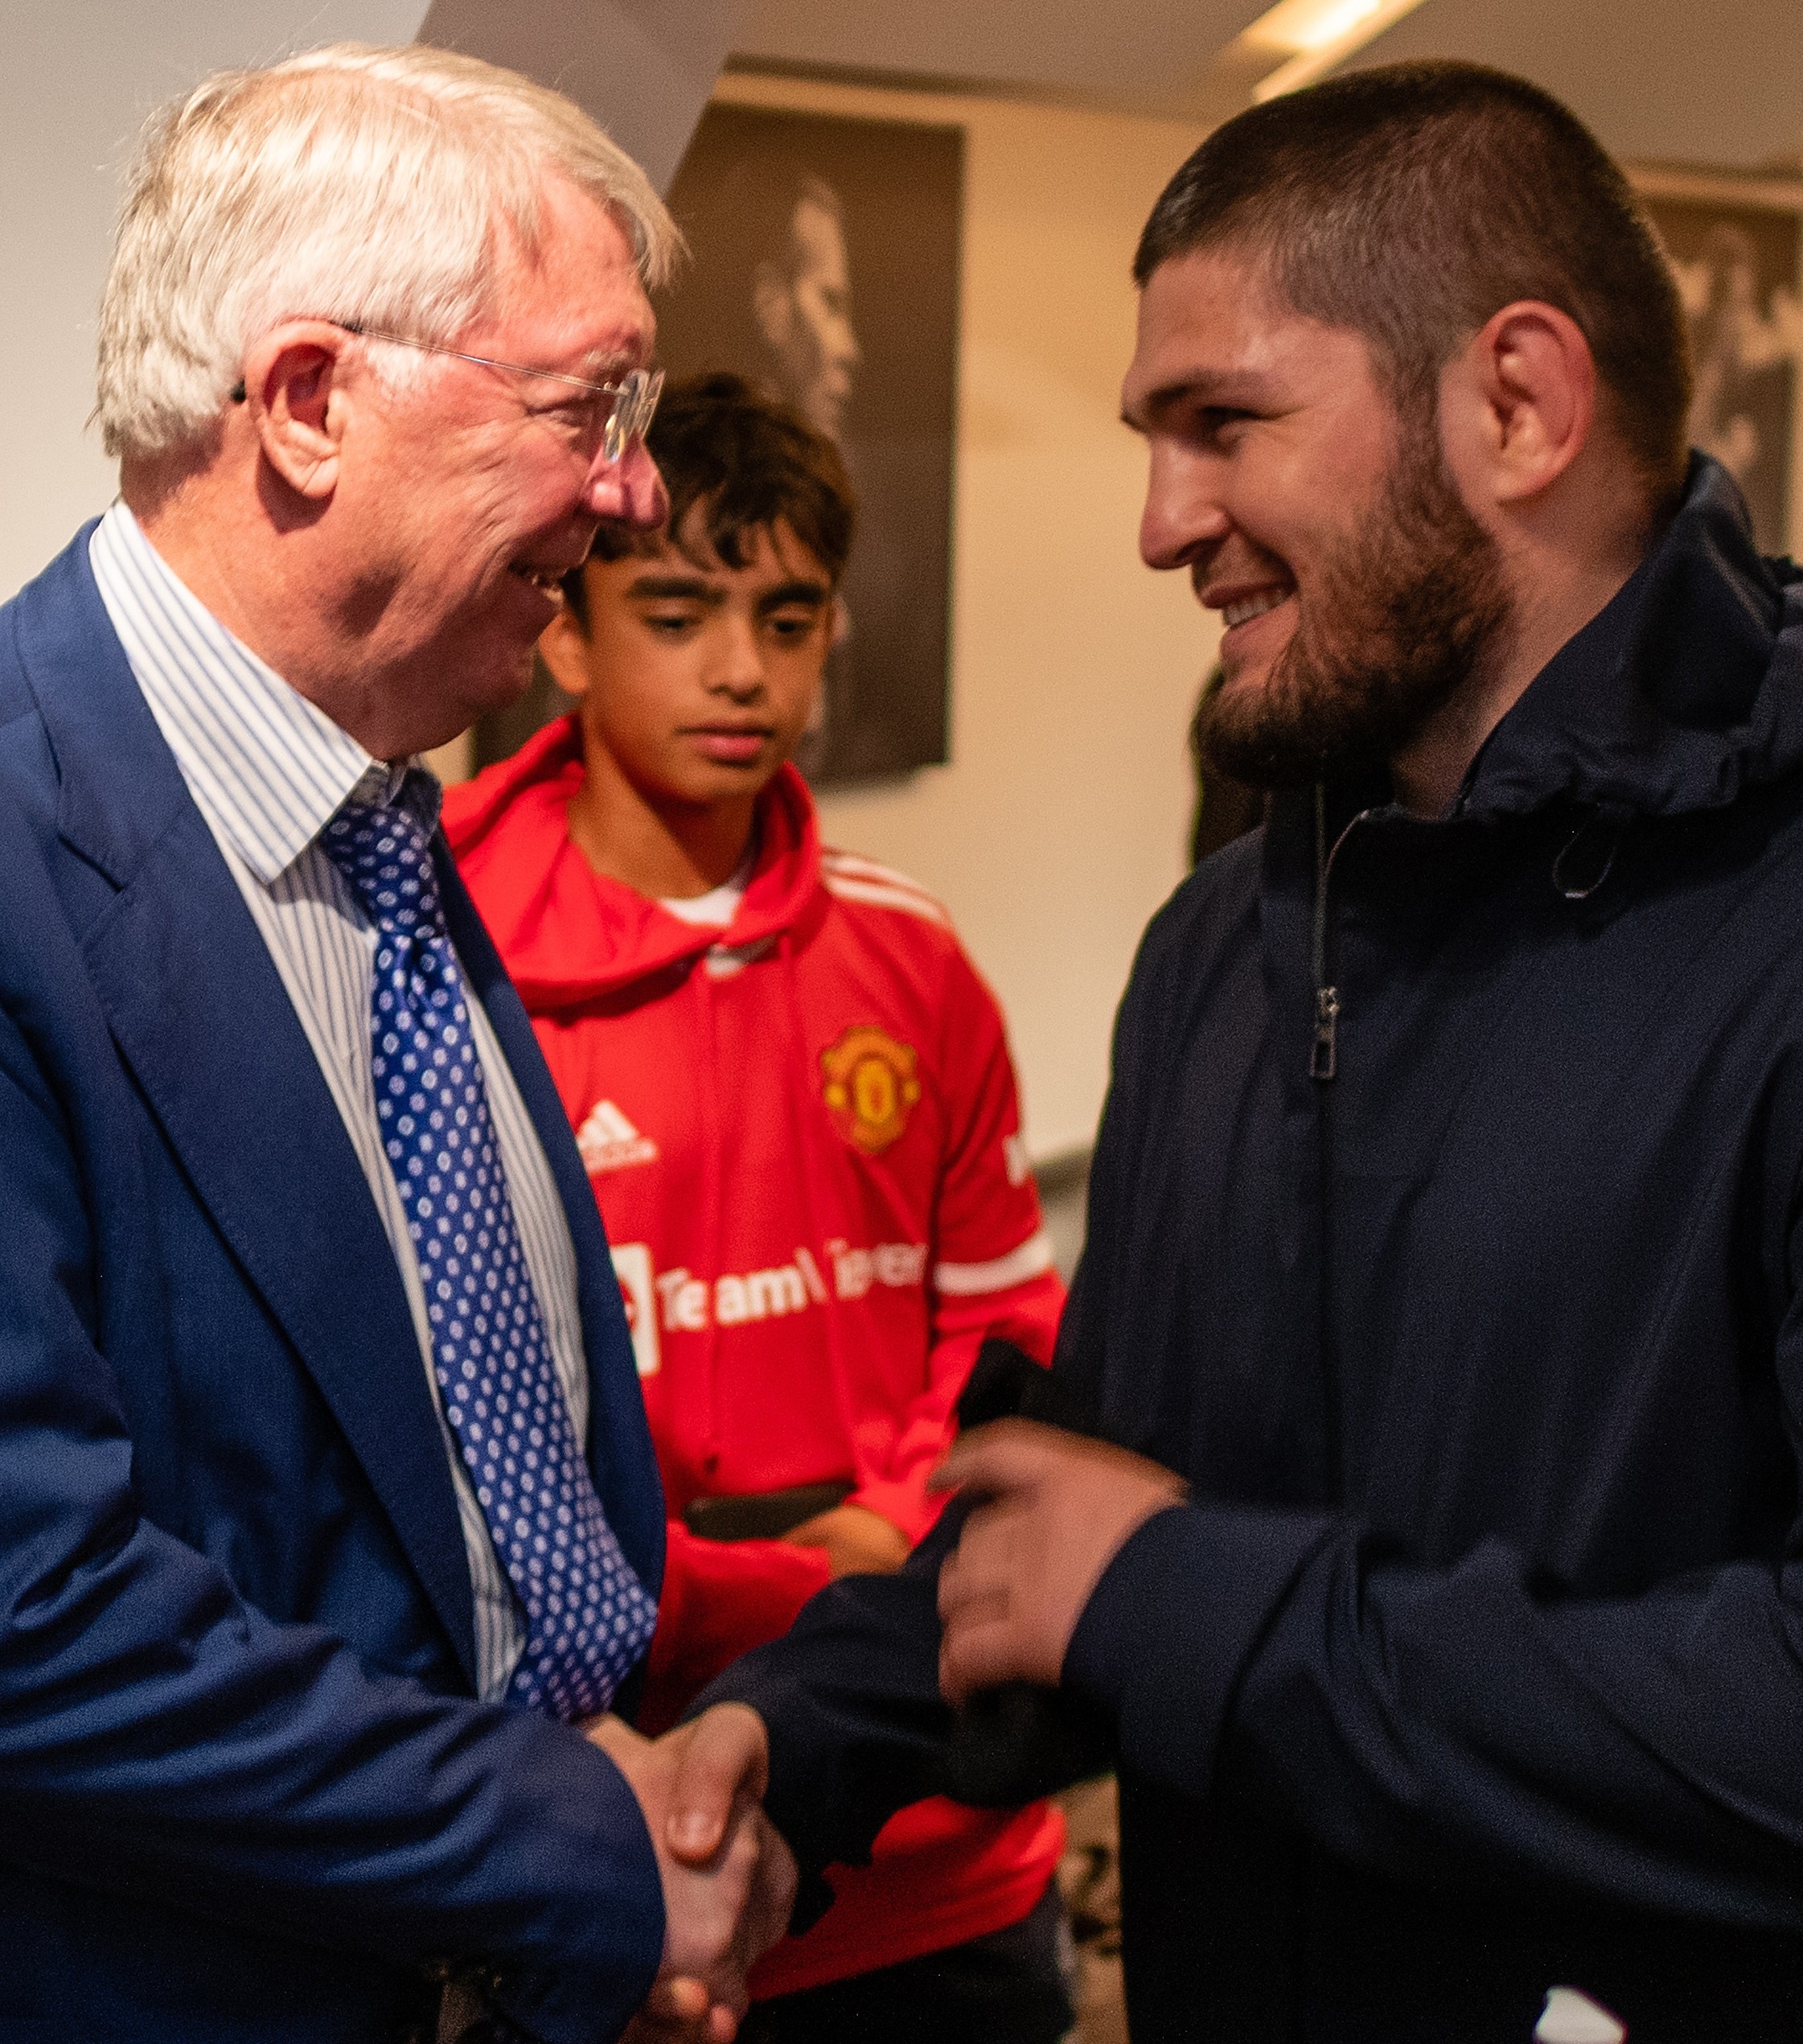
point(244, 1790)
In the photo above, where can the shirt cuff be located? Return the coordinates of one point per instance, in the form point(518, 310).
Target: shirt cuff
point(1176, 1615)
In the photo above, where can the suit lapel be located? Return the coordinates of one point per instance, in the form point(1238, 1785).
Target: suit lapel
point(200, 1015)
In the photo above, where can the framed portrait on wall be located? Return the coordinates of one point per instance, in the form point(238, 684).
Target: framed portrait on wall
point(1736, 243)
point(825, 268)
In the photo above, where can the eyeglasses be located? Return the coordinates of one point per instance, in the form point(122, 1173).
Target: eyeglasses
point(632, 400)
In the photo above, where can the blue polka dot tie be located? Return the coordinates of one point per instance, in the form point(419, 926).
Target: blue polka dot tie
point(588, 1618)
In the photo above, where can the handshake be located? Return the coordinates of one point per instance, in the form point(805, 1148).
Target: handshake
point(1049, 1512)
point(728, 1880)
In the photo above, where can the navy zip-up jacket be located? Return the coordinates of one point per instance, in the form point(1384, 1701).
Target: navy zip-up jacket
point(1474, 1665)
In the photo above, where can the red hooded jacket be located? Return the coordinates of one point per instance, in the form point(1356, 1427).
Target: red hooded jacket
point(803, 1133)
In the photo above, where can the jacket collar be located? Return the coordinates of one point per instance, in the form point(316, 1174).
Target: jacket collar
point(568, 933)
point(1684, 690)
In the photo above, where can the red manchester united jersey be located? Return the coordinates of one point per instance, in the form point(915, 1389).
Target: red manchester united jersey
point(803, 1133)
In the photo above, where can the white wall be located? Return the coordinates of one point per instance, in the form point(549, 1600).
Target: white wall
point(1059, 825)
point(77, 80)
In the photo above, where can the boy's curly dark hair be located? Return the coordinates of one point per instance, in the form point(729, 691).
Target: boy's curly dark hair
point(748, 461)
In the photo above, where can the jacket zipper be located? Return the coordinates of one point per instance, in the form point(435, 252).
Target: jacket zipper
point(1323, 1062)
point(1323, 1051)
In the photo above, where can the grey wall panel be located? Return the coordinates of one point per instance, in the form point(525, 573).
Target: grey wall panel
point(643, 69)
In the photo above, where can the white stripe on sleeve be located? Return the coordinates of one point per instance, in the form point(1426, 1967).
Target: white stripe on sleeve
point(968, 1280)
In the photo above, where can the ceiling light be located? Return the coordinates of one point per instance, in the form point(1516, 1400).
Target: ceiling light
point(1312, 36)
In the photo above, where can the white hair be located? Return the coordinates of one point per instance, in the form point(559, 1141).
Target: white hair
point(356, 184)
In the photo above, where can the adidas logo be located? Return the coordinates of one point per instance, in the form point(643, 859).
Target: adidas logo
point(609, 1141)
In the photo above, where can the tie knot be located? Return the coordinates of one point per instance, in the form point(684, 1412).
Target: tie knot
point(384, 852)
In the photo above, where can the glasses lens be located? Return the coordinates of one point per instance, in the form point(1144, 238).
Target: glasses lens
point(634, 404)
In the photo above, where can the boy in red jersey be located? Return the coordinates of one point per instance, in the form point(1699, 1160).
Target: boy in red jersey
point(793, 1096)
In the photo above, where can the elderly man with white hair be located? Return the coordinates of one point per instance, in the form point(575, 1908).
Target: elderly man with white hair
point(329, 1531)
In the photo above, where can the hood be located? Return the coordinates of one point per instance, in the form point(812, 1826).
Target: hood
point(567, 932)
point(1684, 690)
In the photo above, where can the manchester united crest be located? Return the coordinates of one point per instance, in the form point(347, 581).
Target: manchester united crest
point(870, 1086)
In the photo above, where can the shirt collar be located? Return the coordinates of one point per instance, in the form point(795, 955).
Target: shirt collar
point(267, 768)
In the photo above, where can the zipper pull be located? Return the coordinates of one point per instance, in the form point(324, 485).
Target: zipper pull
point(1327, 1013)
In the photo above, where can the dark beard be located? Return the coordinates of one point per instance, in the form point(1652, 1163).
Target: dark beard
point(1406, 610)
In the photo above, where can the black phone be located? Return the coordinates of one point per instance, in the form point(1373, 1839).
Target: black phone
point(761, 1514)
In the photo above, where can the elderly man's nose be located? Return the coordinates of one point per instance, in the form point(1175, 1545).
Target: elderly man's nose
point(630, 491)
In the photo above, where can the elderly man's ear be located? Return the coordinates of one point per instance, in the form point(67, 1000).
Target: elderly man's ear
point(294, 393)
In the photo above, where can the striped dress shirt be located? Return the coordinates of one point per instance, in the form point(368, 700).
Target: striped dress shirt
point(268, 771)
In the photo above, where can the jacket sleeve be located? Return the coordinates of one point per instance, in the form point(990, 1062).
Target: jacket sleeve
point(991, 1267)
point(159, 1736)
point(850, 1696)
point(720, 1599)
point(858, 1728)
point(1416, 1721)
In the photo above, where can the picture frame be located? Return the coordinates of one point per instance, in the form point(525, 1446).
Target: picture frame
point(1735, 241)
point(824, 267)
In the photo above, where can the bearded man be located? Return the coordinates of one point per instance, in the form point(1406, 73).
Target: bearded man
point(1430, 1571)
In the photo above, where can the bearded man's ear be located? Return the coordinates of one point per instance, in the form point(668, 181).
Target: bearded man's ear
point(1518, 403)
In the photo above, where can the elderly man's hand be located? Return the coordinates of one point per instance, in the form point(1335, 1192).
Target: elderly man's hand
point(1056, 1509)
point(728, 1880)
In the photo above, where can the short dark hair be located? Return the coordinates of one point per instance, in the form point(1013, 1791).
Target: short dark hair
point(1412, 201)
point(750, 460)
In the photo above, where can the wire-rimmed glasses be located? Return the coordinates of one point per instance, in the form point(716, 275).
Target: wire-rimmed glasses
point(632, 399)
